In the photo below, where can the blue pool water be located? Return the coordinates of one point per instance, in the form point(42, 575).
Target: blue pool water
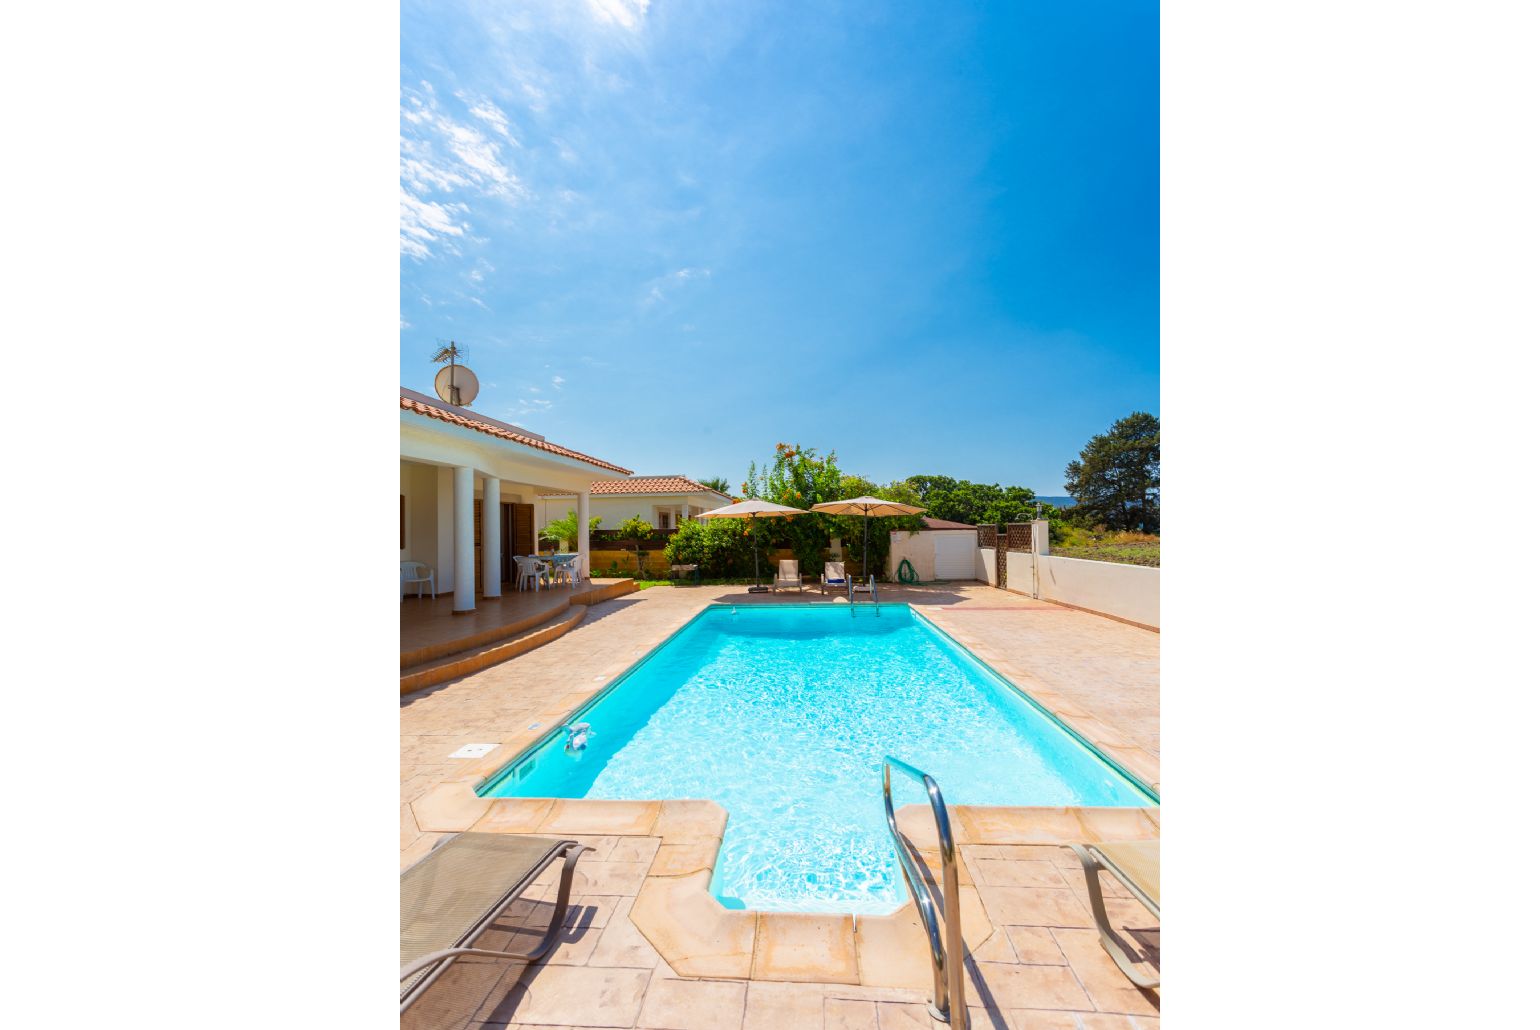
point(783, 715)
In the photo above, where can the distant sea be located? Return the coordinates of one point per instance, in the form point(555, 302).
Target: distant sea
point(1057, 502)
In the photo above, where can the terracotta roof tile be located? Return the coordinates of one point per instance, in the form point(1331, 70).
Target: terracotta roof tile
point(408, 404)
point(646, 485)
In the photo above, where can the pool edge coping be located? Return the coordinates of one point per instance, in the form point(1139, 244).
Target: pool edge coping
point(691, 929)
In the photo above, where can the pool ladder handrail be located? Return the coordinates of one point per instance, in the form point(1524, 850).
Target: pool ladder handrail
point(850, 592)
point(946, 959)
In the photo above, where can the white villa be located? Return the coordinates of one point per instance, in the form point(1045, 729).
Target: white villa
point(664, 501)
point(469, 487)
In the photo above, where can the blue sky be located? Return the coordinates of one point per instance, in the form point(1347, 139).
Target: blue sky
point(673, 234)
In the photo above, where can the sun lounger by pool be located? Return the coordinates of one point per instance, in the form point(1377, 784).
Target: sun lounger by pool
point(833, 576)
point(459, 889)
point(788, 576)
point(1136, 865)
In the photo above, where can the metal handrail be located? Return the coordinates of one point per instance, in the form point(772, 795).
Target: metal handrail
point(946, 960)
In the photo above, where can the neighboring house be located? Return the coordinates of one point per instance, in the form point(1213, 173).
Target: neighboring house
point(469, 487)
point(664, 501)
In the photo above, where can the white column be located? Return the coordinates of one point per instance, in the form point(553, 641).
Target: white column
point(491, 537)
point(582, 528)
point(465, 539)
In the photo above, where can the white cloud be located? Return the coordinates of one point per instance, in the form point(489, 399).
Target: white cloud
point(531, 406)
point(490, 113)
point(424, 222)
point(538, 98)
point(557, 381)
point(628, 14)
point(441, 155)
point(660, 287)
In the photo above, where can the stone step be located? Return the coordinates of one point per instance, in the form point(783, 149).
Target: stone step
point(475, 659)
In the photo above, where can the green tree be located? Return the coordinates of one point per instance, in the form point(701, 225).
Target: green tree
point(1116, 479)
point(856, 486)
point(637, 529)
point(564, 532)
point(902, 491)
point(798, 478)
point(931, 487)
point(717, 483)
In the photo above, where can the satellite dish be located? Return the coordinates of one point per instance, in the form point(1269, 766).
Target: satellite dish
point(456, 384)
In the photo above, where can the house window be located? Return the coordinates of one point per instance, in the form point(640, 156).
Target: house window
point(663, 520)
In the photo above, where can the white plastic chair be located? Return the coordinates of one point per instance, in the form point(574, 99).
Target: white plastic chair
point(418, 572)
point(564, 569)
point(531, 570)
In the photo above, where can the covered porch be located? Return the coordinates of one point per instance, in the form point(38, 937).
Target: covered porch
point(469, 485)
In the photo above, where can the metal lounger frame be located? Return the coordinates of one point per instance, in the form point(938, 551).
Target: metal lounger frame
point(1092, 861)
point(570, 851)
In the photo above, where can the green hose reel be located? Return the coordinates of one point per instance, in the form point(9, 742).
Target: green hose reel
point(906, 573)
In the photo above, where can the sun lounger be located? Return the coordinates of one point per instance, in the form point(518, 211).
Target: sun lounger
point(833, 576)
point(788, 576)
point(459, 889)
point(1136, 865)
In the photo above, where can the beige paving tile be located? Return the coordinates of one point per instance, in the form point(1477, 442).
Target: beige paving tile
point(634, 849)
point(619, 878)
point(996, 949)
point(1103, 981)
point(1038, 1019)
point(622, 944)
point(678, 859)
point(577, 996)
point(1004, 872)
point(894, 951)
point(772, 1005)
point(673, 1004)
point(568, 816)
point(692, 931)
point(844, 1014)
point(1034, 906)
point(1035, 945)
point(1011, 986)
point(448, 807)
point(892, 1015)
point(513, 815)
point(804, 947)
point(681, 821)
point(590, 909)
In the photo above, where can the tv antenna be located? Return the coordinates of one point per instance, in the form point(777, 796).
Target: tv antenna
point(455, 384)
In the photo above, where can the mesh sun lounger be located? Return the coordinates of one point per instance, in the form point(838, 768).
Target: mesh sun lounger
point(451, 897)
point(833, 576)
point(1136, 865)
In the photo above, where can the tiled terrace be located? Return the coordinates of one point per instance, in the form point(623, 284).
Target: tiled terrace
point(430, 621)
point(1034, 958)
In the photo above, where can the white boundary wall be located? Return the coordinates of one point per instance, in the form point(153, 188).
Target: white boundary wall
point(985, 572)
point(1129, 592)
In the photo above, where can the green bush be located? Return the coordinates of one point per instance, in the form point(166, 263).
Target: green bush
point(721, 547)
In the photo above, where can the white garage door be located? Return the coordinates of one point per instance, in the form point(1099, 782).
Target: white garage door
point(956, 555)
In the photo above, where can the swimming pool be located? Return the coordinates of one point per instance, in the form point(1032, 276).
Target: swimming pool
point(783, 714)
